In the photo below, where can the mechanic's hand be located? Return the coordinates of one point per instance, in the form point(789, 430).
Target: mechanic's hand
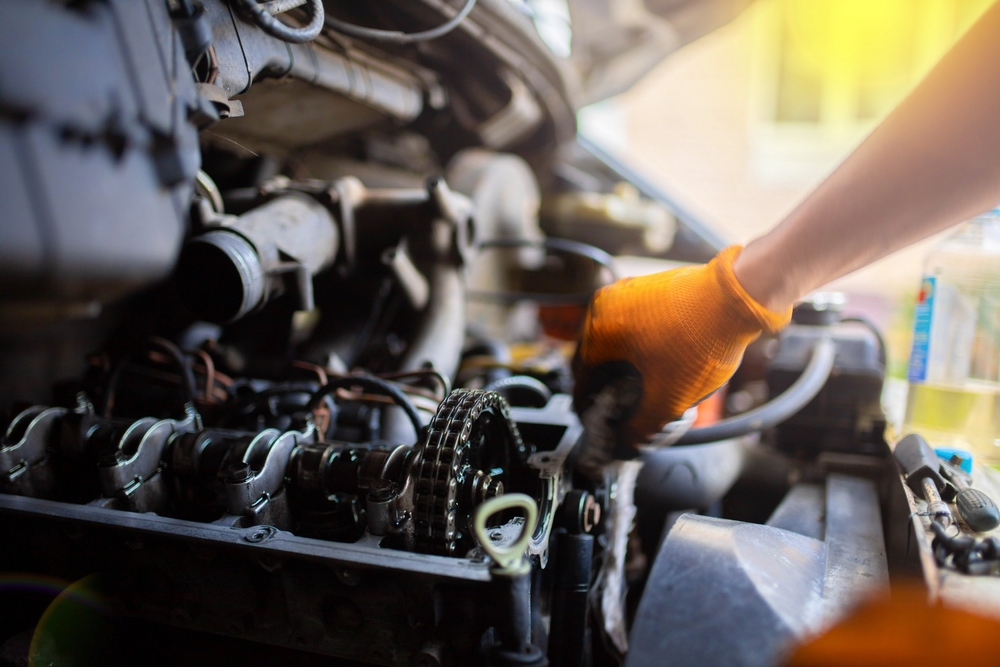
point(668, 339)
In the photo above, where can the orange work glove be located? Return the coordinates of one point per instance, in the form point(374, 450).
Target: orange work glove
point(680, 334)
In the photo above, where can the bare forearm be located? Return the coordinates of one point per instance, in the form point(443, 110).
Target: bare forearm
point(932, 163)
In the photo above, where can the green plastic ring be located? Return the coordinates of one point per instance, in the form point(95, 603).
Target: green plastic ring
point(508, 561)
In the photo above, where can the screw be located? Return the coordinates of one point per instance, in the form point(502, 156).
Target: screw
point(591, 514)
point(238, 472)
point(494, 489)
point(381, 490)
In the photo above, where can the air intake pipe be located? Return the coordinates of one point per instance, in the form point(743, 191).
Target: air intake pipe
point(238, 266)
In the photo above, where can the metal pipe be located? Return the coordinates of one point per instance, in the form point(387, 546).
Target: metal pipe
point(233, 269)
point(437, 343)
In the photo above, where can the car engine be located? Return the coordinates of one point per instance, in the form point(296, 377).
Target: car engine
point(286, 315)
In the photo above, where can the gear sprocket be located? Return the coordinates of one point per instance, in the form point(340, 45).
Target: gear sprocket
point(468, 450)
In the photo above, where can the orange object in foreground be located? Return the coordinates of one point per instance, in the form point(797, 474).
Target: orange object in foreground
point(684, 330)
point(562, 321)
point(904, 629)
point(710, 410)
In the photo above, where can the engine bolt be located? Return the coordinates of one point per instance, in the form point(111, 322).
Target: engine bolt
point(238, 472)
point(494, 489)
point(380, 490)
point(591, 514)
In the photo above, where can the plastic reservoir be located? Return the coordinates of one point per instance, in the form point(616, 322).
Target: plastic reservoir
point(954, 369)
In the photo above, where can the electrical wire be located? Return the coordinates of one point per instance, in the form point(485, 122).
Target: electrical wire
point(397, 36)
point(315, 368)
point(374, 385)
point(260, 15)
point(565, 246)
point(421, 373)
point(173, 353)
point(206, 359)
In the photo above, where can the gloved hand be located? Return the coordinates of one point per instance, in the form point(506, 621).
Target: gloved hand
point(679, 335)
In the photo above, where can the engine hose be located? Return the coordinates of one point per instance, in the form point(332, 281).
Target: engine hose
point(398, 37)
point(778, 409)
point(526, 382)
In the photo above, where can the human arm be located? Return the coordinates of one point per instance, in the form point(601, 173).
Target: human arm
point(932, 163)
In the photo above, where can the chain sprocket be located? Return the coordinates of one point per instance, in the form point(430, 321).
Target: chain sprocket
point(471, 433)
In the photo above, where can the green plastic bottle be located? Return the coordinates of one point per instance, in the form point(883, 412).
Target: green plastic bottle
point(954, 369)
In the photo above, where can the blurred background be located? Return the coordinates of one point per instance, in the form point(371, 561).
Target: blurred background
point(738, 126)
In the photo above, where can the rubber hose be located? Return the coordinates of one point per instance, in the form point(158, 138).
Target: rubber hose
point(188, 386)
point(527, 382)
point(778, 409)
point(259, 15)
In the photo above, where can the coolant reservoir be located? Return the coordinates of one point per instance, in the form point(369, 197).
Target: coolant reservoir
point(954, 370)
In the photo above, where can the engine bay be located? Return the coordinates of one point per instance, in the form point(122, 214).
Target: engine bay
point(287, 327)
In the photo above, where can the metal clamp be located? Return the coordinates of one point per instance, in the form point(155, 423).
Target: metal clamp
point(508, 561)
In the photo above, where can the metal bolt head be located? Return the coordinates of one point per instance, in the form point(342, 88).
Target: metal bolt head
point(494, 489)
point(590, 514)
point(381, 490)
point(238, 472)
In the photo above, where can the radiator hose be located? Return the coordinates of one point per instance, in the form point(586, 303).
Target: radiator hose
point(778, 409)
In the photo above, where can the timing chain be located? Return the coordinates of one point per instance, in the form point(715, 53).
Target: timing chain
point(440, 464)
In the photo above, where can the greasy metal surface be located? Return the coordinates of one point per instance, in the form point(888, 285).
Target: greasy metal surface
point(258, 584)
point(262, 484)
point(244, 52)
point(25, 467)
point(133, 476)
point(508, 35)
point(262, 583)
point(279, 543)
point(551, 465)
point(292, 227)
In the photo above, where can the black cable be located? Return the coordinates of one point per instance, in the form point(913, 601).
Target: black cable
point(878, 335)
point(262, 18)
point(374, 385)
point(779, 408)
point(565, 246)
point(397, 36)
point(592, 253)
point(187, 375)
